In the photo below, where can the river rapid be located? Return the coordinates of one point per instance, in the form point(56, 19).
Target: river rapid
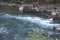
point(15, 27)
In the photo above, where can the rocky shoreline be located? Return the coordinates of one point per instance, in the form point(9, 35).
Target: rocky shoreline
point(47, 11)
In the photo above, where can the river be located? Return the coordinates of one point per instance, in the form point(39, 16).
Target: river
point(14, 26)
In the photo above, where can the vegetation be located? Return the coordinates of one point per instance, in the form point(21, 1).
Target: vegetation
point(37, 35)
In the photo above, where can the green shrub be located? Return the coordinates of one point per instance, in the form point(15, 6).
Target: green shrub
point(37, 35)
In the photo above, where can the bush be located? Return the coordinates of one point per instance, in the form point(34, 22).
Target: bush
point(37, 35)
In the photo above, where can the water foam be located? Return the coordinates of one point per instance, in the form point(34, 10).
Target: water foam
point(39, 21)
point(3, 30)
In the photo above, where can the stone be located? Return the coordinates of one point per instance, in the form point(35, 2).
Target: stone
point(21, 8)
point(29, 8)
point(57, 28)
point(56, 18)
point(45, 14)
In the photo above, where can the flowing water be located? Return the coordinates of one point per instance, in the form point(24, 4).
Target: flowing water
point(14, 27)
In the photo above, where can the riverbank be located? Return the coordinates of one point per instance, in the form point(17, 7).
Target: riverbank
point(9, 6)
point(47, 7)
point(39, 10)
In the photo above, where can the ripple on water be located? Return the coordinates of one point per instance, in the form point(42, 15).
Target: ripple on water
point(16, 26)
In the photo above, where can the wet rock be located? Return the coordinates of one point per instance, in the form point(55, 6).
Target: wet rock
point(45, 14)
point(55, 14)
point(56, 18)
point(57, 28)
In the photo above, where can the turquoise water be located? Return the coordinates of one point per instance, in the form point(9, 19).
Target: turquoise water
point(15, 26)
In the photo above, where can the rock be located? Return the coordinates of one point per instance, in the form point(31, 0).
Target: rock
point(56, 16)
point(21, 8)
point(45, 14)
point(57, 28)
point(28, 8)
point(53, 13)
